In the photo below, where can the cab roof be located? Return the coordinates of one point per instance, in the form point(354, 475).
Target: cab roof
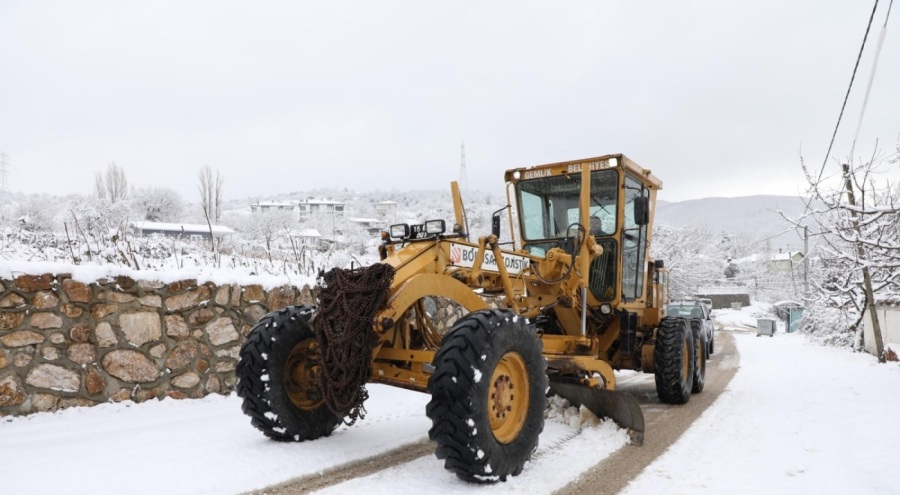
point(617, 160)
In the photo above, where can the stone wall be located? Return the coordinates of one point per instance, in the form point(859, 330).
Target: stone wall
point(64, 343)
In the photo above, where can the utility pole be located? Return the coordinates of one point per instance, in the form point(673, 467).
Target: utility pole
point(867, 278)
point(805, 263)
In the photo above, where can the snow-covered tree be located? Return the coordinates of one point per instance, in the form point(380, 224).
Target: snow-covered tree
point(36, 212)
point(858, 225)
point(111, 185)
point(211, 193)
point(690, 254)
point(157, 204)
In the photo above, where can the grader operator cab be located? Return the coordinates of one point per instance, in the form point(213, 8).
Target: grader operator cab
point(570, 298)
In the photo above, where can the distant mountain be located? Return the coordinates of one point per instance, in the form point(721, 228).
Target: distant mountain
point(757, 215)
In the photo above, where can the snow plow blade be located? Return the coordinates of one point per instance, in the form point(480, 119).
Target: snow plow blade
point(617, 406)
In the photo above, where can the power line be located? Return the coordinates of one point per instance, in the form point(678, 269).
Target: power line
point(865, 102)
point(847, 96)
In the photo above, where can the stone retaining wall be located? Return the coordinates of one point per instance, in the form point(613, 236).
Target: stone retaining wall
point(64, 343)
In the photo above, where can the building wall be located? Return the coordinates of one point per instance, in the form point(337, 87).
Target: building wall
point(889, 321)
point(64, 343)
point(723, 301)
point(177, 234)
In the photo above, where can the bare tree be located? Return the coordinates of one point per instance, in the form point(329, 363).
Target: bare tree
point(211, 200)
point(211, 193)
point(858, 224)
point(111, 185)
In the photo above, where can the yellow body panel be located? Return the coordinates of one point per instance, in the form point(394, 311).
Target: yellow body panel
point(584, 342)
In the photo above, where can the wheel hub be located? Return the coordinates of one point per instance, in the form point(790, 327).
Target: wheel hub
point(301, 376)
point(508, 397)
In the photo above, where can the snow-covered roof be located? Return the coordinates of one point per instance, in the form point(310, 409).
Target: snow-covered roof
point(386, 203)
point(785, 256)
point(788, 304)
point(181, 227)
point(313, 201)
point(307, 233)
point(274, 203)
point(364, 220)
point(722, 290)
point(888, 299)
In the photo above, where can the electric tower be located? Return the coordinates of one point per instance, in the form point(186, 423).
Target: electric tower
point(463, 180)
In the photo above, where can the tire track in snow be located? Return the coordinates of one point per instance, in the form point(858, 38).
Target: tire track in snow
point(415, 464)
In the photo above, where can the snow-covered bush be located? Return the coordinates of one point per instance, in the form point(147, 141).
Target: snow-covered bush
point(828, 325)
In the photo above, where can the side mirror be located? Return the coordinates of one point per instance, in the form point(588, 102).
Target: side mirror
point(641, 210)
point(495, 224)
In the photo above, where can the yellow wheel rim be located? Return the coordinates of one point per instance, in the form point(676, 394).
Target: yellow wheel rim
point(686, 372)
point(301, 373)
point(508, 397)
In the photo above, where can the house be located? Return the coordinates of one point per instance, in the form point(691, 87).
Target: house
point(195, 232)
point(309, 206)
point(385, 208)
point(888, 310)
point(784, 260)
point(261, 206)
point(373, 226)
point(722, 297)
point(299, 237)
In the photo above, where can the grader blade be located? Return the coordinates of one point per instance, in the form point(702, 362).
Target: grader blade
point(617, 406)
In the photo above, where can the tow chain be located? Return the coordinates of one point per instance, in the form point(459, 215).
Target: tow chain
point(348, 301)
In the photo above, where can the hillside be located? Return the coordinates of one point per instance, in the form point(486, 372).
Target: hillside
point(757, 215)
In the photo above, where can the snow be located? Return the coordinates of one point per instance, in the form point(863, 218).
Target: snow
point(89, 273)
point(181, 227)
point(796, 418)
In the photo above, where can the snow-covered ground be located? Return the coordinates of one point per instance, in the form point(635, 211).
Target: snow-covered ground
point(797, 418)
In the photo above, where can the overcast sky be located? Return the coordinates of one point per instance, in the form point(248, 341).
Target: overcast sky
point(717, 98)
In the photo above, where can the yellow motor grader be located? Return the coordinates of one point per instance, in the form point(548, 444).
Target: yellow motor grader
point(571, 297)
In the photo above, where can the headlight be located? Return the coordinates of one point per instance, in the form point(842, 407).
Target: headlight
point(433, 227)
point(400, 231)
point(605, 309)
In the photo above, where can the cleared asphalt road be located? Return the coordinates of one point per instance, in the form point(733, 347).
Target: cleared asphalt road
point(664, 423)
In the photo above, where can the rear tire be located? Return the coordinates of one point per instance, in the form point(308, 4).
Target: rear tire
point(487, 396)
point(277, 378)
point(700, 348)
point(712, 342)
point(674, 361)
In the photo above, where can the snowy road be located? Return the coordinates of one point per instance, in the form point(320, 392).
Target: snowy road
point(796, 418)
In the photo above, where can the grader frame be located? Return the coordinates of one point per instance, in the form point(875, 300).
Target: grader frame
point(427, 267)
point(572, 297)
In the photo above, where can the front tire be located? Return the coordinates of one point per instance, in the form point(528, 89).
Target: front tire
point(277, 376)
point(488, 396)
point(674, 361)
